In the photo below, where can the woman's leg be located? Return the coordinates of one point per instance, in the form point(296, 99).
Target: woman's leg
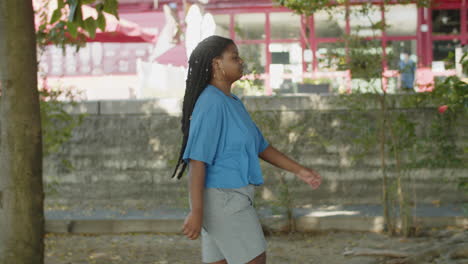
point(260, 259)
point(223, 261)
point(233, 211)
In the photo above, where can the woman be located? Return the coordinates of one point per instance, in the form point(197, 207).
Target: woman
point(222, 144)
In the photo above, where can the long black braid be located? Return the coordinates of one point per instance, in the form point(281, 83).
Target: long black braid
point(198, 76)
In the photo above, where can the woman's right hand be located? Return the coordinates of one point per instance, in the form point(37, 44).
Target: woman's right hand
point(192, 225)
point(310, 177)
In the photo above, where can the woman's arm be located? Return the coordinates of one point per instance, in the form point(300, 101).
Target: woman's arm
point(193, 222)
point(278, 159)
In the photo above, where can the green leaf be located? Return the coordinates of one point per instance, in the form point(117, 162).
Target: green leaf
point(99, 7)
point(60, 4)
point(56, 15)
point(72, 29)
point(90, 26)
point(111, 7)
point(79, 15)
point(101, 21)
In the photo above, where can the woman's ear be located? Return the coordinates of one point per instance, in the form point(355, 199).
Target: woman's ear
point(218, 68)
point(218, 64)
point(214, 68)
point(214, 65)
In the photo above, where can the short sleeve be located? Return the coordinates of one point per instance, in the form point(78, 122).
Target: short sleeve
point(204, 134)
point(263, 144)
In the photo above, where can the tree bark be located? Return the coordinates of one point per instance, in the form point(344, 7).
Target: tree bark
point(21, 193)
point(405, 211)
point(389, 226)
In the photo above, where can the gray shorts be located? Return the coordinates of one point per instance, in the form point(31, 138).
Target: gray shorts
point(231, 229)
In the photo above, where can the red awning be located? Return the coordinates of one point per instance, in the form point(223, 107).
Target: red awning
point(118, 30)
point(176, 56)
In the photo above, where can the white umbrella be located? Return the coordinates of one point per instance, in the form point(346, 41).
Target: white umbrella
point(193, 31)
point(165, 40)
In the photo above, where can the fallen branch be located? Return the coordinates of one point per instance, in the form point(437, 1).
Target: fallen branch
point(454, 248)
point(376, 252)
point(436, 251)
point(423, 257)
point(459, 252)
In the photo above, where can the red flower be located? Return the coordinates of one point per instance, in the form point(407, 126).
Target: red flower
point(443, 108)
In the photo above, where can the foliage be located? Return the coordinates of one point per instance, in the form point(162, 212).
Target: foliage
point(252, 66)
point(248, 87)
point(364, 58)
point(308, 7)
point(66, 25)
point(453, 93)
point(57, 123)
point(316, 81)
point(451, 97)
point(290, 134)
point(393, 134)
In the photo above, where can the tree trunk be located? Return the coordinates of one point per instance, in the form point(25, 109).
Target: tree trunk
point(21, 193)
point(389, 227)
point(405, 211)
point(288, 204)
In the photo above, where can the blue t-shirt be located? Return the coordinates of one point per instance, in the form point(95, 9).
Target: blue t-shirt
point(225, 138)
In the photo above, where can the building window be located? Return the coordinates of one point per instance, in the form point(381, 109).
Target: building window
point(250, 26)
point(330, 24)
point(286, 59)
point(362, 20)
point(401, 20)
point(222, 25)
point(396, 50)
point(330, 56)
point(443, 54)
point(446, 22)
point(254, 57)
point(285, 26)
point(366, 59)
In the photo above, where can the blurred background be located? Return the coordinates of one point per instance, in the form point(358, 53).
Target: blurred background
point(144, 55)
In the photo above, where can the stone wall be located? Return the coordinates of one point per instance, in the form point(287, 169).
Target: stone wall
point(124, 153)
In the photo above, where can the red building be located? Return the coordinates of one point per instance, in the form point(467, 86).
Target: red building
point(274, 43)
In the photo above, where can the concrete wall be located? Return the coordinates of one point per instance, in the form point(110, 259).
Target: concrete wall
point(125, 151)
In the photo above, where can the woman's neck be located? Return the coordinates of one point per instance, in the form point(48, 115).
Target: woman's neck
point(224, 86)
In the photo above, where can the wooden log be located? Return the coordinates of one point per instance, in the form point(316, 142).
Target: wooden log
point(376, 252)
point(459, 252)
point(432, 253)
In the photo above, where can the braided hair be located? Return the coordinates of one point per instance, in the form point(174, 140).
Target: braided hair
point(198, 76)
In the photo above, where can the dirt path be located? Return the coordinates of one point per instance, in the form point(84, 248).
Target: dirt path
point(323, 248)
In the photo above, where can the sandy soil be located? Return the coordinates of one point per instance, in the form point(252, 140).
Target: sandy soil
point(320, 248)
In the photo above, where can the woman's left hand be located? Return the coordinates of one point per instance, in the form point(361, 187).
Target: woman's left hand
point(310, 177)
point(192, 225)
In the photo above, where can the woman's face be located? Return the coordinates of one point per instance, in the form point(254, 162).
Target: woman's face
point(230, 65)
